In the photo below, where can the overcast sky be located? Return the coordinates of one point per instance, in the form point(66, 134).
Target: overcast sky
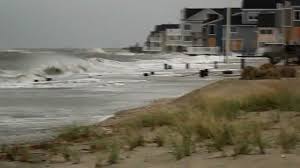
point(88, 23)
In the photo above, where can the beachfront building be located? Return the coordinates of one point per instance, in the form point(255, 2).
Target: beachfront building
point(291, 14)
point(267, 15)
point(163, 39)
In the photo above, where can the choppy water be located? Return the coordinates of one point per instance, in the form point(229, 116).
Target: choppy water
point(90, 86)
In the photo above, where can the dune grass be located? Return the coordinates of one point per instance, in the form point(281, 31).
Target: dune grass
point(215, 122)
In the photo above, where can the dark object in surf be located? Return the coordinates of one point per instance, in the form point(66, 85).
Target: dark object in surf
point(216, 65)
point(49, 79)
point(146, 74)
point(152, 73)
point(166, 66)
point(203, 73)
point(36, 80)
point(170, 67)
point(227, 72)
point(187, 66)
point(206, 72)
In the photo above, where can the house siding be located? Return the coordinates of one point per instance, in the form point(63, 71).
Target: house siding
point(248, 35)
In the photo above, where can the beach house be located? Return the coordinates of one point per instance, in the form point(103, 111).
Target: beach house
point(162, 38)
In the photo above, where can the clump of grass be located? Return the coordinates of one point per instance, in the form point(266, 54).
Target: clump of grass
point(52, 70)
point(100, 161)
point(11, 152)
point(114, 153)
point(182, 144)
point(99, 144)
point(260, 103)
point(134, 138)
point(220, 134)
point(287, 139)
point(76, 133)
point(247, 137)
point(160, 137)
point(156, 119)
point(228, 109)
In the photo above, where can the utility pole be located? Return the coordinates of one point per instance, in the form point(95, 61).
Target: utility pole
point(228, 35)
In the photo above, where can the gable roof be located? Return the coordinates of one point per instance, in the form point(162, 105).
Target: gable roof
point(261, 4)
point(164, 27)
point(189, 12)
point(295, 2)
point(236, 17)
point(267, 20)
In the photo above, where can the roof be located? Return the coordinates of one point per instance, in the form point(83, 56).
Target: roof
point(189, 12)
point(164, 27)
point(266, 20)
point(295, 2)
point(261, 4)
point(236, 19)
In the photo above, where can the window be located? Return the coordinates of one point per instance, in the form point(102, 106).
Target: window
point(233, 30)
point(187, 27)
point(252, 16)
point(266, 31)
point(297, 15)
point(212, 30)
point(188, 38)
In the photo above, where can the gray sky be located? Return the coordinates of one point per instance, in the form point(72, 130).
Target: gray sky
point(88, 23)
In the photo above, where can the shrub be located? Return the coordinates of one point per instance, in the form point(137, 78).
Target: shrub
point(287, 139)
point(288, 72)
point(249, 73)
point(266, 66)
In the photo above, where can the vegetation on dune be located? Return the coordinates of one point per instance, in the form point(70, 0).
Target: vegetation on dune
point(214, 123)
point(268, 71)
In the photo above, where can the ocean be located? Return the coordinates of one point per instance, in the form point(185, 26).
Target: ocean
point(45, 89)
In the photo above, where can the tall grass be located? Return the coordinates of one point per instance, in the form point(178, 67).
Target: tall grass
point(287, 139)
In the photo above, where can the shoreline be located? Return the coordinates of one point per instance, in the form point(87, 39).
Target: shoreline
point(127, 125)
point(106, 121)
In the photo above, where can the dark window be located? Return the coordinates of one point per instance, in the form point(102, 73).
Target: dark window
point(297, 15)
point(188, 38)
point(266, 31)
point(212, 29)
point(187, 27)
point(233, 30)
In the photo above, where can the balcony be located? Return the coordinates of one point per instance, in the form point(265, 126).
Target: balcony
point(173, 42)
point(155, 39)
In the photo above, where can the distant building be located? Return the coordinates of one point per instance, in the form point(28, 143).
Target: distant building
point(165, 38)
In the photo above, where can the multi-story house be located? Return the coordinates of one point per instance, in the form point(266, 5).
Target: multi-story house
point(290, 10)
point(192, 20)
point(267, 15)
point(173, 40)
point(243, 36)
point(159, 39)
